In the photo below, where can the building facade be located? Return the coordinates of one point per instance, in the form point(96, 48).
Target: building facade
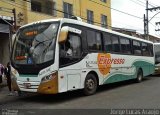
point(95, 12)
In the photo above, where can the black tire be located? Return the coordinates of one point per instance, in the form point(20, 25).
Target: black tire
point(90, 85)
point(139, 76)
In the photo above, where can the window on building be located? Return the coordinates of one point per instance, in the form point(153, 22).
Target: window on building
point(50, 8)
point(137, 48)
point(68, 10)
point(90, 17)
point(94, 40)
point(36, 6)
point(104, 1)
point(46, 7)
point(104, 21)
point(54, 9)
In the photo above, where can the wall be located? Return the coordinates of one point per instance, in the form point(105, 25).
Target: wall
point(98, 8)
point(4, 49)
point(24, 15)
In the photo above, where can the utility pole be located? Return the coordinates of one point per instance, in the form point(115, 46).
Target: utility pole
point(146, 27)
point(14, 16)
point(146, 21)
point(147, 35)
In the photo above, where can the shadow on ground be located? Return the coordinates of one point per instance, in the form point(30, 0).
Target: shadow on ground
point(58, 98)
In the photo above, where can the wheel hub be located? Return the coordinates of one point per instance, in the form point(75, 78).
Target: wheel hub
point(90, 84)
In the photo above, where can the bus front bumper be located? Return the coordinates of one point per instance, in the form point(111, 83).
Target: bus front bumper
point(48, 87)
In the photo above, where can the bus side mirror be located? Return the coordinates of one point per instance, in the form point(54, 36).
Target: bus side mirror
point(157, 61)
point(63, 34)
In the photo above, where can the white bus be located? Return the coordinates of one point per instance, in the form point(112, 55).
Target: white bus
point(60, 55)
point(157, 57)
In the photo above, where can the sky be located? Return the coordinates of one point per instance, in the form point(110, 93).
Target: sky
point(136, 8)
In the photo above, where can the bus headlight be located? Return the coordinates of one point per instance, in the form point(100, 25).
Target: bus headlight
point(49, 77)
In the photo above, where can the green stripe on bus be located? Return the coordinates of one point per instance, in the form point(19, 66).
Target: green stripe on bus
point(118, 77)
point(147, 68)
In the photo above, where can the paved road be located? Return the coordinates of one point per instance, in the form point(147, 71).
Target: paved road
point(114, 96)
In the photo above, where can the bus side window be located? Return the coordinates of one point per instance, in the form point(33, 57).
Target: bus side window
point(137, 48)
point(107, 43)
point(70, 51)
point(75, 43)
point(115, 43)
point(145, 49)
point(125, 45)
point(94, 40)
point(150, 48)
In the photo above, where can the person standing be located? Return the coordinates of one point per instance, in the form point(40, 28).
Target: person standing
point(1, 72)
point(8, 76)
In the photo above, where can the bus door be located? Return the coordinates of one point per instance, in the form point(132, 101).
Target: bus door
point(70, 56)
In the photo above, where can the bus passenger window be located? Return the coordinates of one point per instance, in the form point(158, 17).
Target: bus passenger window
point(70, 51)
point(125, 45)
point(115, 44)
point(150, 47)
point(94, 40)
point(137, 48)
point(145, 49)
point(107, 43)
point(98, 41)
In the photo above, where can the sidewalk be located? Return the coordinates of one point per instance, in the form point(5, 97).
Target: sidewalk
point(4, 95)
point(3, 88)
point(3, 84)
point(4, 91)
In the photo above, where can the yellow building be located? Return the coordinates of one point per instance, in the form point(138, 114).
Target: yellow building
point(96, 12)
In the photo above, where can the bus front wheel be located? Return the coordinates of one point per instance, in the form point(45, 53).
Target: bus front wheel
point(139, 76)
point(90, 84)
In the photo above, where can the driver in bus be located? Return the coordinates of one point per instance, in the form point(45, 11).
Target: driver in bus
point(66, 49)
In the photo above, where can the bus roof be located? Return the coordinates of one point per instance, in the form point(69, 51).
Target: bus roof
point(156, 43)
point(73, 21)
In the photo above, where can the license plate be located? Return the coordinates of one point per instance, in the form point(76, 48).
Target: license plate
point(27, 85)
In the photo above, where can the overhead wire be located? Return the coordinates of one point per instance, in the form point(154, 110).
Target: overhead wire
point(137, 3)
point(151, 4)
point(20, 6)
point(118, 10)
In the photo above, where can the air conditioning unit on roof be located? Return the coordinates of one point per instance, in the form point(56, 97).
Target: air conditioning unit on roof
point(76, 18)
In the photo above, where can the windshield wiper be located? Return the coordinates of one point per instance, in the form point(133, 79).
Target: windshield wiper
point(41, 42)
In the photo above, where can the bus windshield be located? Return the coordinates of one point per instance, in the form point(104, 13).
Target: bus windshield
point(35, 44)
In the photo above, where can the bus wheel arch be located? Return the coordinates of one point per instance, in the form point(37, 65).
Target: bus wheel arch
point(139, 77)
point(91, 83)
